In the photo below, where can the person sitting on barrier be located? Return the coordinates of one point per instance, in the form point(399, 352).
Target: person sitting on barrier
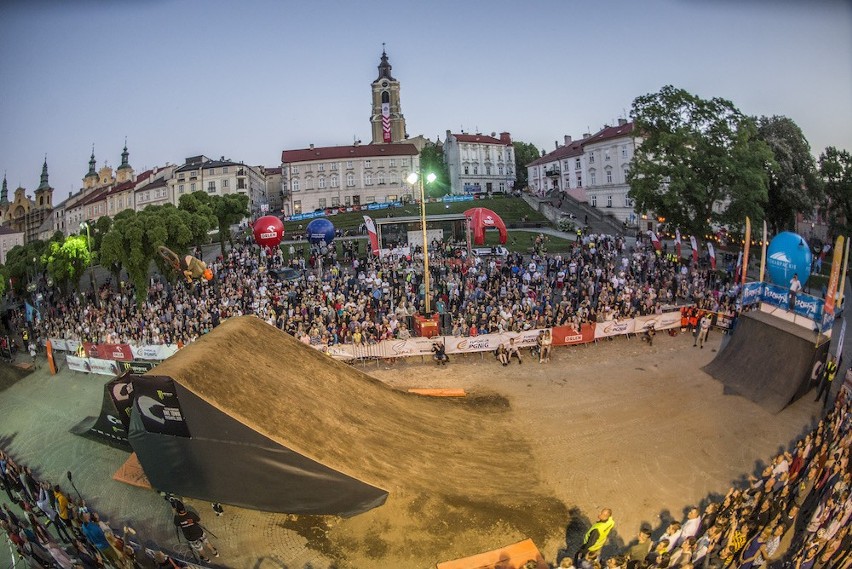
point(502, 354)
point(514, 351)
point(439, 349)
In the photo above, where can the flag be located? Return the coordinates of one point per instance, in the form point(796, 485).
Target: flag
point(763, 255)
point(655, 240)
point(386, 125)
point(694, 244)
point(739, 268)
point(677, 243)
point(746, 248)
point(836, 261)
point(712, 256)
point(374, 238)
point(28, 310)
point(842, 289)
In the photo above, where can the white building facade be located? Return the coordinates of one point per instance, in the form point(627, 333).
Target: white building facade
point(344, 176)
point(219, 177)
point(559, 171)
point(607, 157)
point(480, 163)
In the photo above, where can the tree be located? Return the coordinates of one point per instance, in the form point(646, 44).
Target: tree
point(793, 182)
point(132, 244)
point(696, 154)
point(100, 229)
point(432, 161)
point(66, 261)
point(226, 210)
point(525, 152)
point(22, 264)
point(835, 167)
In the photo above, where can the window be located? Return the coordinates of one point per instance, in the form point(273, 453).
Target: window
point(577, 164)
point(466, 172)
point(392, 163)
point(224, 169)
point(335, 181)
point(335, 202)
point(295, 189)
point(609, 176)
point(475, 170)
point(226, 183)
point(192, 187)
point(294, 169)
point(321, 183)
point(193, 174)
point(628, 202)
point(241, 183)
point(609, 201)
point(606, 155)
point(163, 192)
point(502, 188)
point(211, 186)
point(322, 203)
point(334, 165)
point(120, 203)
point(488, 170)
point(624, 151)
point(350, 180)
point(368, 179)
point(500, 169)
point(180, 177)
point(347, 201)
point(321, 168)
point(591, 157)
point(297, 205)
point(370, 199)
point(594, 199)
point(592, 178)
point(349, 165)
point(368, 164)
point(380, 179)
point(180, 188)
point(391, 198)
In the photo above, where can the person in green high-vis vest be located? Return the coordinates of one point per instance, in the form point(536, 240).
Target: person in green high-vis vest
point(595, 538)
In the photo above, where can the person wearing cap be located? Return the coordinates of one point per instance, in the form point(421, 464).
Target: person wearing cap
point(190, 525)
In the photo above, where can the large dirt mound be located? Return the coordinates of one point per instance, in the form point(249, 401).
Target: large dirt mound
point(455, 463)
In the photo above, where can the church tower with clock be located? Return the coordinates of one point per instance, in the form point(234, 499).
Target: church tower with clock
point(387, 120)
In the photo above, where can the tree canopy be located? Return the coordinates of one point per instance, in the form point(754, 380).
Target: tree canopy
point(696, 154)
point(226, 210)
point(525, 152)
point(66, 261)
point(835, 167)
point(792, 175)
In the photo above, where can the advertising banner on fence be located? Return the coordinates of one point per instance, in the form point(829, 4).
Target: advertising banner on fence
point(610, 328)
point(153, 352)
point(137, 367)
point(92, 365)
point(118, 352)
point(462, 345)
point(567, 336)
point(752, 293)
point(65, 345)
point(663, 321)
point(806, 305)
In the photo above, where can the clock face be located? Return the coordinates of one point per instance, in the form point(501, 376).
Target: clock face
point(384, 83)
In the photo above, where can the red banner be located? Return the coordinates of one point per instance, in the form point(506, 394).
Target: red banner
point(117, 352)
point(567, 336)
point(371, 231)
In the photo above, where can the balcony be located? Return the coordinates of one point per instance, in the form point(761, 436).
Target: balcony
point(553, 173)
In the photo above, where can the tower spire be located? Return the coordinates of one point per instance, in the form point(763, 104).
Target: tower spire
point(385, 67)
point(44, 185)
point(125, 155)
point(4, 193)
point(91, 171)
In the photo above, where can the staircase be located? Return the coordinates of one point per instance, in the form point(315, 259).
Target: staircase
point(598, 222)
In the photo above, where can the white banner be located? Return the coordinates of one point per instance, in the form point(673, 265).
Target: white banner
point(154, 351)
point(65, 345)
point(614, 328)
point(663, 321)
point(93, 365)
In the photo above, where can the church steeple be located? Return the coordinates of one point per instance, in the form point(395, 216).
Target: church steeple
point(124, 173)
point(125, 155)
point(43, 185)
point(4, 193)
point(385, 67)
point(91, 177)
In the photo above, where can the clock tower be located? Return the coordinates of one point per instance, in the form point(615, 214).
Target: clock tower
point(387, 121)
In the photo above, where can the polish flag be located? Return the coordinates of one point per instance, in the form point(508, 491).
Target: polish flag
point(653, 236)
point(677, 243)
point(712, 256)
point(694, 244)
point(739, 267)
point(371, 231)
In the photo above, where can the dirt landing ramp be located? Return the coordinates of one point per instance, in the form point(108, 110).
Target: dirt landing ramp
point(450, 466)
point(768, 360)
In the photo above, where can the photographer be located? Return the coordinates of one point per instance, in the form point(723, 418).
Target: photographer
point(439, 350)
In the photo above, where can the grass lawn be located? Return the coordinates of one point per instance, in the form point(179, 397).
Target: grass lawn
point(522, 241)
point(511, 210)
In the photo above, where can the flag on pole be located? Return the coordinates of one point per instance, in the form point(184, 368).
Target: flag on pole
point(842, 290)
point(371, 231)
point(739, 268)
point(694, 244)
point(834, 279)
point(655, 240)
point(763, 253)
point(746, 249)
point(712, 255)
point(677, 243)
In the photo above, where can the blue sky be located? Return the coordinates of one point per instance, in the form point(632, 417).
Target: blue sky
point(249, 79)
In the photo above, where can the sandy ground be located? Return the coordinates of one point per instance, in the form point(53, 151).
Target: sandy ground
point(619, 424)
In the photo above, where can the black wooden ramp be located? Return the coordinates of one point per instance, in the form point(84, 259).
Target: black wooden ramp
point(768, 360)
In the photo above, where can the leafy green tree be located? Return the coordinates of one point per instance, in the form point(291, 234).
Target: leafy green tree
point(525, 152)
point(793, 182)
point(835, 167)
point(225, 210)
point(132, 244)
point(98, 230)
point(67, 261)
point(23, 264)
point(432, 161)
point(696, 154)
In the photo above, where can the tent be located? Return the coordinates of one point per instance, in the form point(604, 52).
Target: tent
point(482, 219)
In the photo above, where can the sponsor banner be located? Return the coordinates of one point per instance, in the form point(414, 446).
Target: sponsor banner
point(411, 347)
point(664, 321)
point(65, 345)
point(827, 322)
point(568, 336)
point(154, 351)
point(837, 260)
point(525, 339)
point(92, 365)
point(137, 367)
point(118, 352)
point(806, 305)
point(452, 198)
point(121, 392)
point(483, 343)
point(722, 321)
point(614, 328)
point(751, 293)
point(157, 403)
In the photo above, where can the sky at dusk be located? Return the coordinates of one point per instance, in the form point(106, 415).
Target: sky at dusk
point(246, 80)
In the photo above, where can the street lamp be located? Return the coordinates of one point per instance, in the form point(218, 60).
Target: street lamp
point(85, 225)
point(412, 179)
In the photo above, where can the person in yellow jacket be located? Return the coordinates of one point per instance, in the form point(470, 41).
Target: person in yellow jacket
point(595, 538)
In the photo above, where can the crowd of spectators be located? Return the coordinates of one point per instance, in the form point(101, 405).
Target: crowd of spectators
point(365, 300)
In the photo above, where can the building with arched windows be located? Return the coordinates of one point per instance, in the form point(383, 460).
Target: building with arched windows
point(24, 214)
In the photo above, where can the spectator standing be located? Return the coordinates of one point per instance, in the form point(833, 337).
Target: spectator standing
point(595, 538)
point(190, 525)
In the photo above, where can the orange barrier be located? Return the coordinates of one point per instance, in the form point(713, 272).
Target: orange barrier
point(437, 392)
point(509, 557)
point(131, 473)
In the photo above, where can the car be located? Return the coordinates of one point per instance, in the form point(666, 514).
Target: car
point(285, 274)
point(496, 251)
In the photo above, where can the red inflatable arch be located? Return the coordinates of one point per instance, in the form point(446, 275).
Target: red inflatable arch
point(482, 219)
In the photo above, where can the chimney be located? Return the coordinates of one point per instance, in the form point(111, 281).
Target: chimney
point(622, 122)
point(567, 140)
point(311, 147)
point(586, 135)
point(556, 145)
point(505, 138)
